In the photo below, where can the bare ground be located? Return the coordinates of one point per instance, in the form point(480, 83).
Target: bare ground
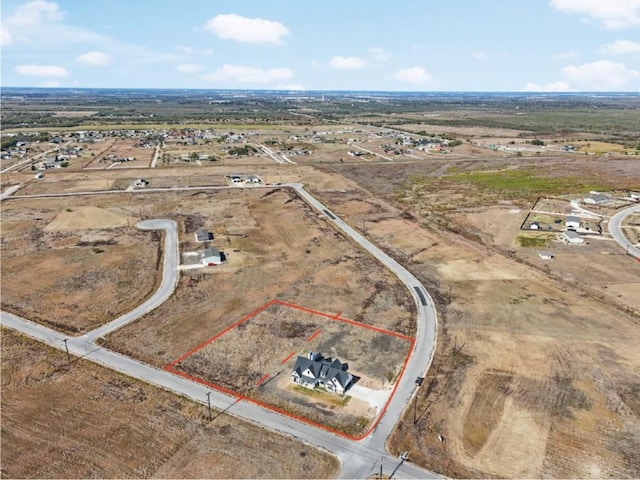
point(532, 375)
point(114, 427)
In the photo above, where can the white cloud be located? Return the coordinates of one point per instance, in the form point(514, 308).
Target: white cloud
point(189, 68)
point(41, 70)
point(347, 63)
point(244, 29)
point(414, 75)
point(94, 59)
point(602, 75)
point(34, 13)
point(613, 14)
point(620, 47)
point(549, 87)
point(5, 37)
point(242, 74)
point(379, 54)
point(479, 55)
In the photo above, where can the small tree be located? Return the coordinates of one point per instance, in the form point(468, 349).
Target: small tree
point(193, 156)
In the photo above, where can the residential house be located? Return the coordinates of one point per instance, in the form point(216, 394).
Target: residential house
point(572, 237)
point(316, 371)
point(211, 256)
point(596, 199)
point(203, 235)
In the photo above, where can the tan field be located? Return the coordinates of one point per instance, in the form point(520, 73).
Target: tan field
point(533, 376)
point(537, 370)
point(84, 421)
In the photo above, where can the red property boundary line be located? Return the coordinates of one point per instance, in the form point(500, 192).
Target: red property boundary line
point(171, 368)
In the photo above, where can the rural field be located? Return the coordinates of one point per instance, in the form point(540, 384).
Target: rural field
point(299, 259)
point(84, 421)
point(255, 358)
point(536, 371)
point(536, 374)
point(74, 264)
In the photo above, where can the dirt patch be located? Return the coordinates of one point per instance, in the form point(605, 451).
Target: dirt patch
point(116, 427)
point(89, 217)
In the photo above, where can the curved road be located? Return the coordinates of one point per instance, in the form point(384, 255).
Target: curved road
point(615, 229)
point(168, 285)
point(359, 458)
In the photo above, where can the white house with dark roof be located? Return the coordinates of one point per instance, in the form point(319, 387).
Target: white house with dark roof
point(315, 370)
point(211, 256)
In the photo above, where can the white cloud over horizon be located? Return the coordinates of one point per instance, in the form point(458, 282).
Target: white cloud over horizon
point(232, 74)
point(244, 29)
point(620, 47)
point(41, 70)
point(614, 14)
point(5, 36)
point(414, 76)
point(601, 75)
point(94, 59)
point(347, 63)
point(34, 13)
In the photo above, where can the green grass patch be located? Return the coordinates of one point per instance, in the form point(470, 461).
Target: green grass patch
point(536, 242)
point(323, 395)
point(528, 182)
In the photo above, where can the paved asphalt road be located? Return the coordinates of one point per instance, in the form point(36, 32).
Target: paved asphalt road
point(616, 231)
point(359, 458)
point(168, 285)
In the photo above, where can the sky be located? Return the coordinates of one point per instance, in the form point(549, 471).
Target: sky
point(401, 45)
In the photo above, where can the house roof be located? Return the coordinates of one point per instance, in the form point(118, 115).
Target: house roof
point(211, 252)
point(323, 370)
point(202, 235)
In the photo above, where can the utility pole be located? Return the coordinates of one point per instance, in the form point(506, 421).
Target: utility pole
point(403, 457)
point(67, 348)
point(209, 404)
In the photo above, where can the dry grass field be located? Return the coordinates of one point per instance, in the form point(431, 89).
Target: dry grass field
point(85, 421)
point(255, 357)
point(277, 248)
point(534, 376)
point(74, 266)
point(536, 371)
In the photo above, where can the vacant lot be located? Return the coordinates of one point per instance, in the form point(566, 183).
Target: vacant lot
point(77, 266)
point(85, 421)
point(255, 359)
point(533, 376)
point(277, 248)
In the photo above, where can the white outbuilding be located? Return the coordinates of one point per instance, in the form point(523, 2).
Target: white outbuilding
point(211, 256)
point(572, 223)
point(572, 237)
